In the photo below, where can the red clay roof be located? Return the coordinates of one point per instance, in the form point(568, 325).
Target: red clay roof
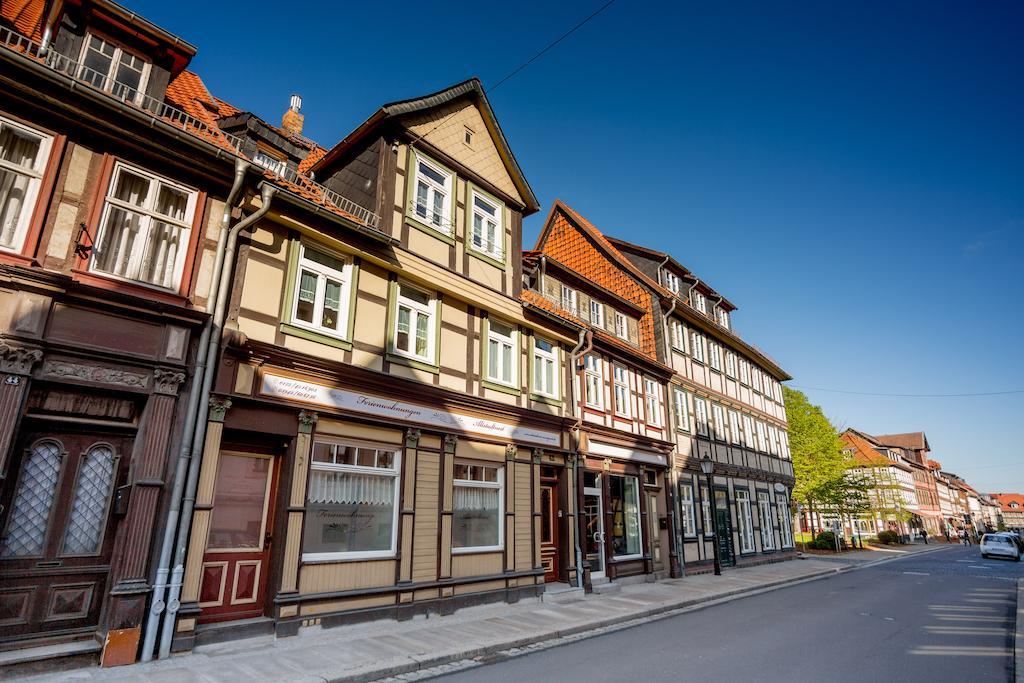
point(533, 298)
point(25, 15)
point(863, 451)
point(1004, 500)
point(913, 441)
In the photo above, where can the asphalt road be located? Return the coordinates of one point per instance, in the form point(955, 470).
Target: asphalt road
point(942, 616)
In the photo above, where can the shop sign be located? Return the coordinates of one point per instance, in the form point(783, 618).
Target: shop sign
point(612, 451)
point(378, 406)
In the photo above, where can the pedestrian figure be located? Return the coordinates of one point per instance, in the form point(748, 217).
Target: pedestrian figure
point(924, 536)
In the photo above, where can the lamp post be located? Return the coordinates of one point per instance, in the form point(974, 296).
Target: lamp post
point(707, 466)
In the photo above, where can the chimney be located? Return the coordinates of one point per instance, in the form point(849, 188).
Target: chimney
point(292, 119)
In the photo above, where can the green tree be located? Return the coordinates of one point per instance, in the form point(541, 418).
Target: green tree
point(819, 464)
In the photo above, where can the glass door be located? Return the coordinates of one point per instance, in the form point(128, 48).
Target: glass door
point(593, 521)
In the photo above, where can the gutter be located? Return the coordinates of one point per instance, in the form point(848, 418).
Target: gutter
point(583, 347)
point(185, 459)
point(268, 192)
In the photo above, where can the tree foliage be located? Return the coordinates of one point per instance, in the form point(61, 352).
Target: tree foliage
point(819, 464)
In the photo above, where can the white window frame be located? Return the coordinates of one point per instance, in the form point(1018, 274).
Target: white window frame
point(723, 318)
point(762, 437)
point(416, 309)
point(718, 424)
point(764, 511)
point(495, 248)
point(671, 281)
point(682, 409)
point(744, 520)
point(569, 299)
point(35, 180)
point(323, 273)
point(744, 372)
point(707, 523)
point(730, 364)
point(621, 326)
point(785, 520)
point(700, 411)
point(147, 215)
point(394, 471)
point(715, 355)
point(500, 486)
point(592, 373)
point(734, 427)
point(445, 189)
point(697, 348)
point(115, 62)
point(756, 377)
point(272, 164)
point(597, 313)
point(652, 402)
point(678, 330)
point(700, 302)
point(543, 357)
point(687, 508)
point(748, 432)
point(621, 393)
point(511, 342)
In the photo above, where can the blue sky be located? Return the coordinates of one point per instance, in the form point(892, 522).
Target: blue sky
point(850, 175)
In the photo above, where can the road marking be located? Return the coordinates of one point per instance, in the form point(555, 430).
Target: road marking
point(979, 566)
point(889, 619)
point(918, 573)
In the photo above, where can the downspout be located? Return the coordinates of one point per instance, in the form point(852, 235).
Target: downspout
point(675, 565)
point(583, 347)
point(185, 449)
point(199, 437)
point(51, 18)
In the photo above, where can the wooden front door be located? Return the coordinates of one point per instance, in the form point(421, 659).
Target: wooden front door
point(58, 532)
point(550, 530)
point(235, 563)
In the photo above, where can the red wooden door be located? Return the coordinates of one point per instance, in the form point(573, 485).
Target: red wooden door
point(238, 545)
point(58, 533)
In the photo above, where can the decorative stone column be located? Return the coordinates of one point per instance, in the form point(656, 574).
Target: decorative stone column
point(510, 507)
point(16, 363)
point(297, 507)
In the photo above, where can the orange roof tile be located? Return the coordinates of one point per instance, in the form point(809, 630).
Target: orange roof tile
point(315, 155)
point(226, 108)
point(533, 298)
point(1004, 500)
point(25, 15)
point(863, 452)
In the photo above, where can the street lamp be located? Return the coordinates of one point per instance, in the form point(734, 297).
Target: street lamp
point(707, 466)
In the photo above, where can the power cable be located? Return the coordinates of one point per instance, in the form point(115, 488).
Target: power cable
point(870, 393)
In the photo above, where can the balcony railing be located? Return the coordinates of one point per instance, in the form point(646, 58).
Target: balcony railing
point(173, 116)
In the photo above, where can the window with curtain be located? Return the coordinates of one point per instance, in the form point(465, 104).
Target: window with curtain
point(351, 502)
point(415, 323)
point(624, 504)
point(23, 156)
point(545, 368)
point(145, 228)
point(322, 291)
point(477, 493)
point(501, 353)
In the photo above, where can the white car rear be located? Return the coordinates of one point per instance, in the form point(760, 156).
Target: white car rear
point(997, 545)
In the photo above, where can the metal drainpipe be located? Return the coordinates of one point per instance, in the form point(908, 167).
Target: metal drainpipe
point(586, 342)
point(185, 449)
point(51, 17)
point(675, 563)
point(220, 313)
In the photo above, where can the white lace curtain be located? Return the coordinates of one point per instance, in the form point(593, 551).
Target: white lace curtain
point(473, 498)
point(19, 151)
point(350, 488)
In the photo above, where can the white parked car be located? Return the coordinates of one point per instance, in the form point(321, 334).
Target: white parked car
point(999, 545)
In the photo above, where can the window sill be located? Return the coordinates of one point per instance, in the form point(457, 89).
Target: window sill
point(130, 287)
point(310, 335)
point(412, 363)
point(478, 550)
point(339, 558)
point(485, 257)
point(430, 230)
point(540, 398)
point(503, 388)
point(628, 558)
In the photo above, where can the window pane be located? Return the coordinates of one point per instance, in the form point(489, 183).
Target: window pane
point(131, 188)
point(422, 331)
point(89, 510)
point(349, 512)
point(307, 296)
point(438, 208)
point(415, 295)
point(625, 508)
point(492, 358)
point(475, 517)
point(115, 248)
point(161, 255)
point(14, 189)
point(402, 337)
point(332, 305)
point(98, 58)
point(485, 206)
point(506, 363)
point(238, 502)
point(322, 452)
point(323, 259)
point(30, 511)
point(422, 189)
point(18, 147)
point(432, 174)
point(172, 202)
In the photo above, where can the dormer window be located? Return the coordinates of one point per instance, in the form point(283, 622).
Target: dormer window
point(699, 302)
point(621, 326)
point(723, 317)
point(672, 282)
point(274, 165)
point(488, 232)
point(1014, 505)
point(432, 195)
point(112, 69)
point(568, 299)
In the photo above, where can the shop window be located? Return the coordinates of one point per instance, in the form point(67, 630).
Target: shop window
point(322, 292)
point(545, 368)
point(23, 156)
point(145, 228)
point(746, 523)
point(477, 507)
point(624, 504)
point(352, 502)
point(764, 511)
point(688, 514)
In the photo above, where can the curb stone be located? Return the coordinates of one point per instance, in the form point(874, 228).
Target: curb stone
point(1018, 635)
point(422, 664)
